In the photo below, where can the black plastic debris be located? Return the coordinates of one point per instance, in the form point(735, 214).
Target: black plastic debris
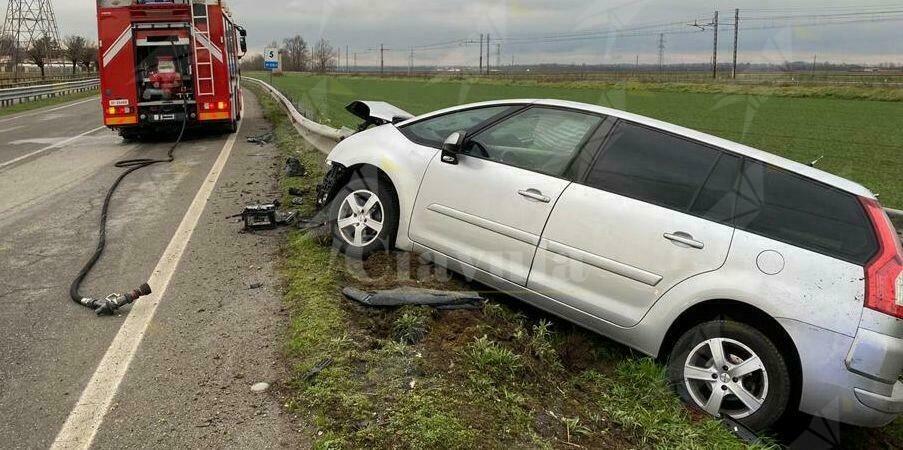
point(262, 139)
point(445, 300)
point(294, 168)
point(315, 370)
point(296, 192)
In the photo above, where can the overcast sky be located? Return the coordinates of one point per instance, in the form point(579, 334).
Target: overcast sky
point(399, 24)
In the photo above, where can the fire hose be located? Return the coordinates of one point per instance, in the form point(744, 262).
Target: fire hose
point(113, 302)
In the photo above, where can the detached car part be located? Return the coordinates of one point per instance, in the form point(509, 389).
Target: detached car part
point(417, 297)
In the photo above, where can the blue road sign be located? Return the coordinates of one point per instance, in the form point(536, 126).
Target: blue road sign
point(271, 65)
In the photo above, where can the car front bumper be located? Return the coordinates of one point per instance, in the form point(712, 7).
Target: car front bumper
point(849, 380)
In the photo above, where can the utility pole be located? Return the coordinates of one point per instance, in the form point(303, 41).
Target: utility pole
point(487, 54)
point(498, 55)
point(382, 59)
point(715, 49)
point(347, 69)
point(355, 61)
point(661, 52)
point(736, 41)
point(481, 53)
point(411, 63)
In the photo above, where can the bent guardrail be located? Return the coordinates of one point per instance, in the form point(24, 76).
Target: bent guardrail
point(12, 96)
point(309, 125)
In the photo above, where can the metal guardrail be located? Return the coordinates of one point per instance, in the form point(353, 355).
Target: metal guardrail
point(309, 125)
point(50, 79)
point(12, 96)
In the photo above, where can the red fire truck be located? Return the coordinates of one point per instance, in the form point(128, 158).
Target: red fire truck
point(168, 62)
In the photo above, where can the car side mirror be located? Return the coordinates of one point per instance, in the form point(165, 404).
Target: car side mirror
point(452, 147)
point(243, 40)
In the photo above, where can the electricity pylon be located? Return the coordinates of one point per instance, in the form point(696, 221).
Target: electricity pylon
point(27, 21)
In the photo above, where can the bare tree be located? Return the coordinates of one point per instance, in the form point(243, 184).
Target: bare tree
point(74, 50)
point(7, 48)
point(297, 53)
point(323, 55)
point(41, 51)
point(88, 58)
point(252, 63)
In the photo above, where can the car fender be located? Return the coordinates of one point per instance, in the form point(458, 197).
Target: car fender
point(404, 162)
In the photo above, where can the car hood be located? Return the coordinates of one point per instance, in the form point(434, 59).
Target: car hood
point(378, 113)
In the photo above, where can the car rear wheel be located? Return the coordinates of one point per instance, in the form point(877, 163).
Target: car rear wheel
point(364, 216)
point(728, 368)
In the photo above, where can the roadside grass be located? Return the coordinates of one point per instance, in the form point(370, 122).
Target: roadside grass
point(504, 376)
point(854, 130)
point(25, 107)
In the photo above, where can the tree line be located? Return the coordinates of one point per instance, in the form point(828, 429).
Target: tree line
point(298, 55)
point(75, 50)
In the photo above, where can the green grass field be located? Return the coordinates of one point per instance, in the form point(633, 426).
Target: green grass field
point(860, 139)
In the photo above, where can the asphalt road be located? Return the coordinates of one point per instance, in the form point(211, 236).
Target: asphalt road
point(212, 337)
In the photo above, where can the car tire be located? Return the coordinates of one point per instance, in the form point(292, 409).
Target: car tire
point(365, 232)
point(751, 385)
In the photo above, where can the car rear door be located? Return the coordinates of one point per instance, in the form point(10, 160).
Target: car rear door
point(653, 211)
point(488, 210)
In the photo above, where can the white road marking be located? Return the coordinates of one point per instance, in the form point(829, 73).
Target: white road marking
point(43, 111)
point(11, 129)
point(49, 147)
point(86, 417)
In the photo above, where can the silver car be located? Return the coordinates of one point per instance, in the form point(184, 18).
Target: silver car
point(768, 286)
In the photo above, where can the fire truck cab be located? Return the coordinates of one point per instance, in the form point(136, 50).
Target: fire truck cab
point(165, 62)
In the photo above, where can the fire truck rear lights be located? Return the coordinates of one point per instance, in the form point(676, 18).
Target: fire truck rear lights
point(221, 105)
point(111, 111)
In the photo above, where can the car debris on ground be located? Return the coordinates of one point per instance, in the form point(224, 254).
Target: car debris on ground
point(444, 300)
point(294, 168)
point(266, 216)
point(262, 139)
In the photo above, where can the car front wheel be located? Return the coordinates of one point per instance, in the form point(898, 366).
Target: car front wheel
point(728, 368)
point(364, 216)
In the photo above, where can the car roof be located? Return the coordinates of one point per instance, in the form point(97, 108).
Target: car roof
point(768, 158)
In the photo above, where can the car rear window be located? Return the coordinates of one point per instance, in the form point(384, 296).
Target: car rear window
point(789, 208)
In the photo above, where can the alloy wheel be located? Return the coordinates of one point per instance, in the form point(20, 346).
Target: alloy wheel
point(360, 218)
point(724, 376)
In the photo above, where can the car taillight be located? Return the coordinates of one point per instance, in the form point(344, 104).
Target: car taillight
point(884, 273)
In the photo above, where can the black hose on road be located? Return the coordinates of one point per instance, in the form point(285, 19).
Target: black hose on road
point(110, 304)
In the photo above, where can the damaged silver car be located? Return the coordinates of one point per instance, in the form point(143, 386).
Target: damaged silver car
point(766, 285)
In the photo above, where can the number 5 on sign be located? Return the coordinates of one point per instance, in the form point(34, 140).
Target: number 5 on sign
point(271, 59)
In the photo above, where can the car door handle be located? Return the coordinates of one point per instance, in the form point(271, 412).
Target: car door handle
point(681, 238)
point(533, 194)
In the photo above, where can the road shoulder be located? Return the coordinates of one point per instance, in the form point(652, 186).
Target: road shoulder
point(217, 333)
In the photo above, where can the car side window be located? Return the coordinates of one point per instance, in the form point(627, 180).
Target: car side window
point(653, 166)
point(717, 198)
point(790, 208)
point(543, 140)
point(433, 132)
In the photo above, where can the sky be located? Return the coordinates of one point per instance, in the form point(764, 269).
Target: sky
point(515, 25)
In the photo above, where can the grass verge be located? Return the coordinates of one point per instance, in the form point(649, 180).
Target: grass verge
point(24, 107)
point(504, 376)
point(853, 136)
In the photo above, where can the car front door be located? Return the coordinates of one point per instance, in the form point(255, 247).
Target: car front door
point(488, 210)
point(653, 211)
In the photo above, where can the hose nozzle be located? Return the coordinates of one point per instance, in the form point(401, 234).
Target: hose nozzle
point(111, 304)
